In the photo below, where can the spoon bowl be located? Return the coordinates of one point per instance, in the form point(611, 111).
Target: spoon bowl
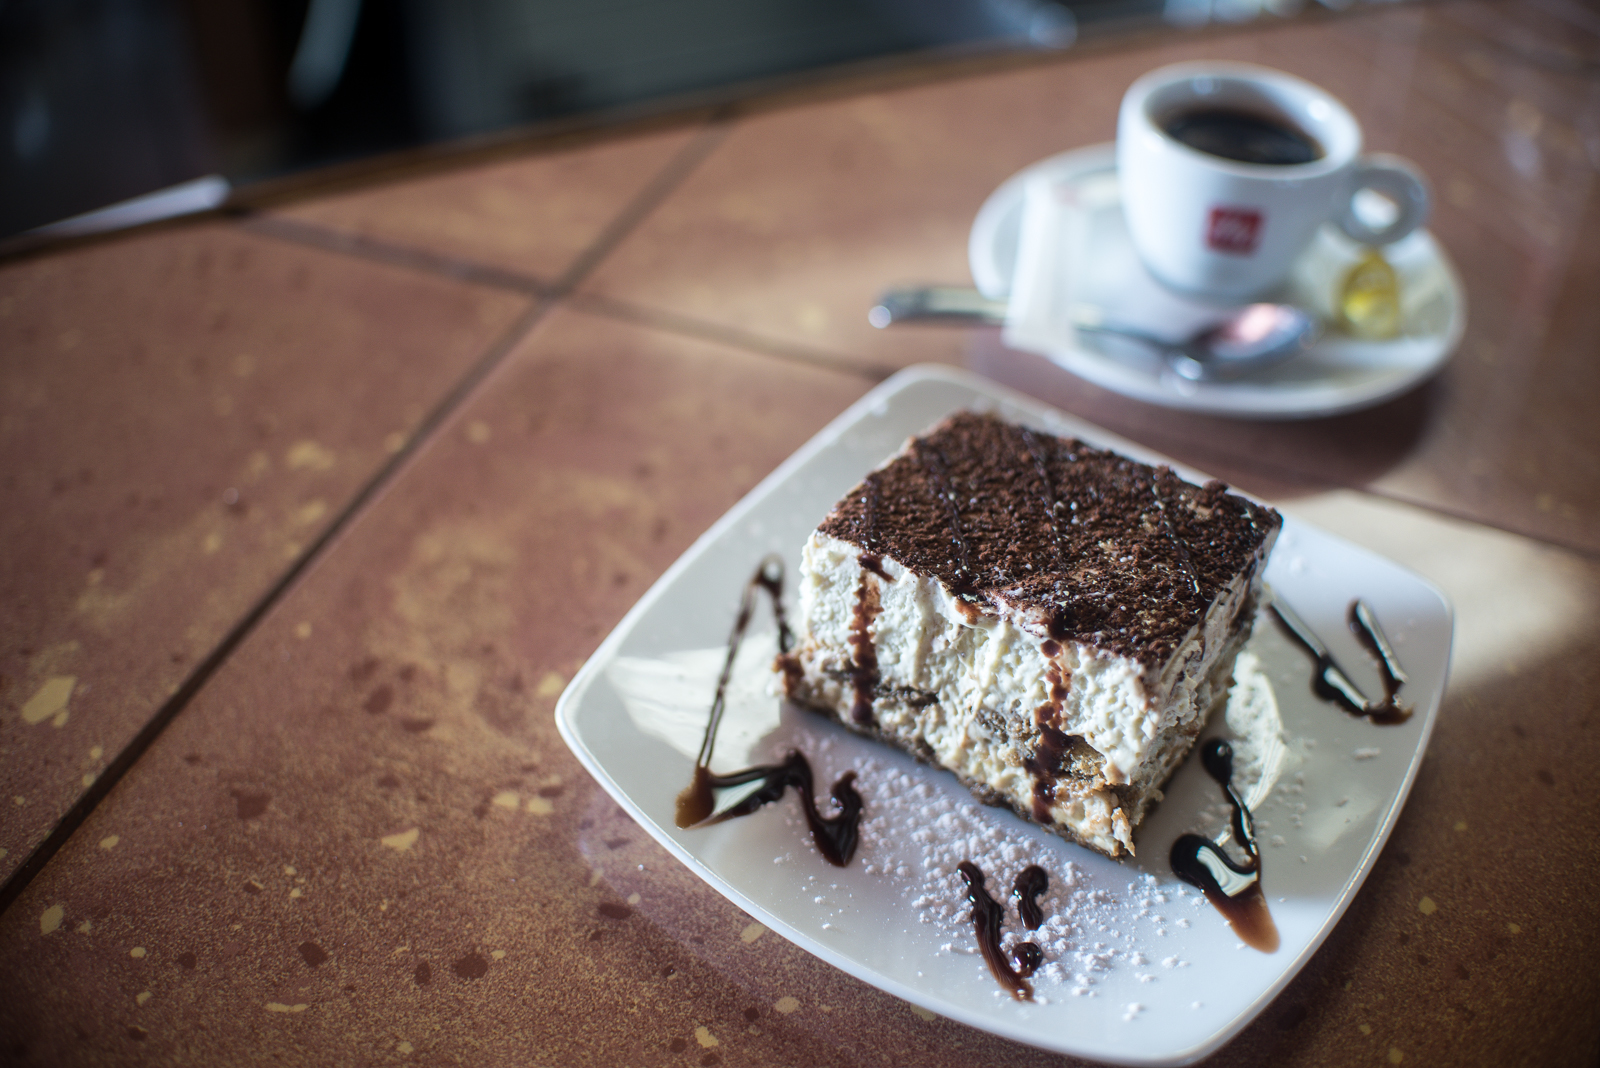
point(1253, 337)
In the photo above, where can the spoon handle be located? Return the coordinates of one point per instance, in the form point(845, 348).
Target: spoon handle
point(949, 304)
point(1154, 342)
point(1175, 357)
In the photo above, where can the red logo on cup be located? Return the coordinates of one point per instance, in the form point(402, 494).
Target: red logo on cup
point(1233, 230)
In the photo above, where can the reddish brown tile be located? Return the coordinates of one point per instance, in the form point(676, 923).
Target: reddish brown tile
point(533, 215)
point(182, 414)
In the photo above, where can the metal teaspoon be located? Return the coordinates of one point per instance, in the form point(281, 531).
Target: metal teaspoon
point(1255, 336)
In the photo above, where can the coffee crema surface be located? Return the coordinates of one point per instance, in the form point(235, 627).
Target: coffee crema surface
point(1246, 136)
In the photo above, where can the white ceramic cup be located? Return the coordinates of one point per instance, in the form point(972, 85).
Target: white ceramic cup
point(1230, 230)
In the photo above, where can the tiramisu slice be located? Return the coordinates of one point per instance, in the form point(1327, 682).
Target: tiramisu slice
point(1050, 621)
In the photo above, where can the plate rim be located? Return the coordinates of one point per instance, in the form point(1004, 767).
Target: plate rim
point(565, 713)
point(1314, 400)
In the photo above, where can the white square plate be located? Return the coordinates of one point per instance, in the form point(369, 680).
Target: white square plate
point(1139, 970)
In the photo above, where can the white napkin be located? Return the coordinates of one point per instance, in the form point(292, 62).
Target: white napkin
point(1076, 265)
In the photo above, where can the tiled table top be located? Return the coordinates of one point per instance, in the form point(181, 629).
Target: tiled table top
point(178, 430)
point(311, 514)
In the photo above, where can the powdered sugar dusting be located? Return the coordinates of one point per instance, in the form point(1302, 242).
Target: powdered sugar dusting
point(916, 830)
point(913, 837)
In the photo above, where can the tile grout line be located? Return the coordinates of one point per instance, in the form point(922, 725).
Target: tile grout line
point(315, 235)
point(295, 231)
point(703, 330)
point(1547, 540)
point(1324, 485)
point(542, 303)
point(90, 799)
point(405, 257)
point(684, 162)
point(425, 261)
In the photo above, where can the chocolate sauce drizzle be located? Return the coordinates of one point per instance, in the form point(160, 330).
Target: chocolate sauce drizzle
point(1029, 884)
point(874, 563)
point(1330, 682)
point(1027, 957)
point(836, 836)
point(987, 918)
point(864, 666)
point(1235, 889)
point(1364, 625)
point(1048, 762)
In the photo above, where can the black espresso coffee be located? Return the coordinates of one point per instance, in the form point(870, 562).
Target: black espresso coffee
point(1246, 136)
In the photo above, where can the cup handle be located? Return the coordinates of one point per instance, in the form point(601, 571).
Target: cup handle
point(1396, 179)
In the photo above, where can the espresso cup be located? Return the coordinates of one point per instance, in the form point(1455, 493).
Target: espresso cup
point(1228, 169)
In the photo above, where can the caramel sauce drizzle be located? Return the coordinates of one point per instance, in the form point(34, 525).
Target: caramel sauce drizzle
point(1330, 683)
point(836, 836)
point(1234, 889)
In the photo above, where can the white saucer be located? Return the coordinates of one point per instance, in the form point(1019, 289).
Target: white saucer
point(1339, 374)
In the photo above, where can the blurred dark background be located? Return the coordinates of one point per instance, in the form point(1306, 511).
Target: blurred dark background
point(104, 100)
